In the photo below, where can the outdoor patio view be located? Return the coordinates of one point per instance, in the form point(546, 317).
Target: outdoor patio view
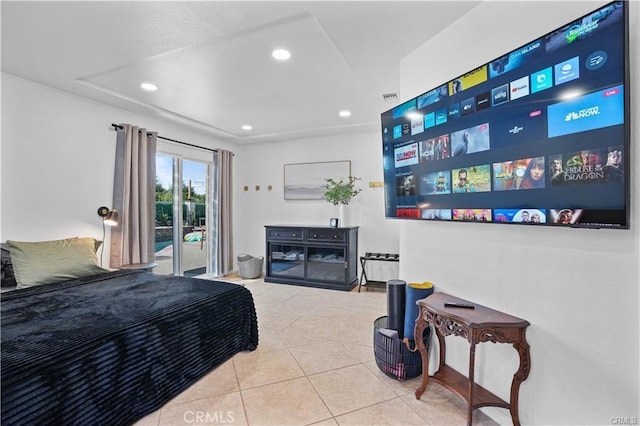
point(192, 256)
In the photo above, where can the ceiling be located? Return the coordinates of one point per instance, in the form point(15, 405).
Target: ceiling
point(212, 60)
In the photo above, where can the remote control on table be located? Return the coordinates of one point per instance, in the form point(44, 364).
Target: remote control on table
point(459, 305)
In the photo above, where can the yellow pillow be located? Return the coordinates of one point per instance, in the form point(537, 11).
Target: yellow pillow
point(44, 262)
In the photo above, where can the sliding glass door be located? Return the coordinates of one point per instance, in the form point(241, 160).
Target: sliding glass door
point(182, 211)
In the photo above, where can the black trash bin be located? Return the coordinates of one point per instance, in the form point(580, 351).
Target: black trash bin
point(393, 357)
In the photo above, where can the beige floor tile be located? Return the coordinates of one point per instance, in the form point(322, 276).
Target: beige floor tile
point(394, 412)
point(443, 413)
point(222, 409)
point(304, 332)
point(350, 388)
point(334, 328)
point(292, 402)
point(349, 313)
point(440, 406)
point(219, 381)
point(324, 356)
point(363, 352)
point(150, 420)
point(356, 336)
point(274, 320)
point(274, 296)
point(269, 340)
point(400, 387)
point(304, 310)
point(328, 422)
point(262, 368)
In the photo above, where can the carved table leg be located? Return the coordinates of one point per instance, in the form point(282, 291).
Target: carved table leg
point(520, 376)
point(472, 373)
point(421, 324)
point(443, 349)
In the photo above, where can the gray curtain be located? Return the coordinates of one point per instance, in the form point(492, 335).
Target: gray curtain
point(221, 245)
point(132, 240)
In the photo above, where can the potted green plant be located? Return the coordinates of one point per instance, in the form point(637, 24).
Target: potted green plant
point(339, 192)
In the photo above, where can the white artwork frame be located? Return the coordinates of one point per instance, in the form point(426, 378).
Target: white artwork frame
point(306, 181)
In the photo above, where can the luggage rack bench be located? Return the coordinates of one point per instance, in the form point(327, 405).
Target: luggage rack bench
point(384, 257)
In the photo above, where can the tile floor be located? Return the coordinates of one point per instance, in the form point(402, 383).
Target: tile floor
point(314, 366)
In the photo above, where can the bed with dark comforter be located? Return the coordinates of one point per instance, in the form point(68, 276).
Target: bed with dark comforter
point(112, 348)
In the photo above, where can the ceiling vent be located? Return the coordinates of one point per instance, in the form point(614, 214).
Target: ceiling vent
point(390, 97)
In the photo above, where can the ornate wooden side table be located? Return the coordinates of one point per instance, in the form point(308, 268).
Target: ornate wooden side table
point(477, 325)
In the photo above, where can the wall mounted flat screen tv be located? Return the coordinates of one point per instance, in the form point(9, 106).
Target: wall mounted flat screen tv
point(540, 135)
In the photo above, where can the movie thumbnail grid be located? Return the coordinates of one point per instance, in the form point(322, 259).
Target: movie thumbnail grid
point(604, 165)
point(592, 166)
point(466, 141)
point(563, 216)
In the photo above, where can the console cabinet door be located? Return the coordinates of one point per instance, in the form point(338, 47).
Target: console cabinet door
point(286, 260)
point(326, 263)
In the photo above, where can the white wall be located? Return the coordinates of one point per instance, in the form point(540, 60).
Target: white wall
point(263, 165)
point(577, 288)
point(58, 155)
point(58, 152)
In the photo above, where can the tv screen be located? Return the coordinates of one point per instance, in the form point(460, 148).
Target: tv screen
point(539, 135)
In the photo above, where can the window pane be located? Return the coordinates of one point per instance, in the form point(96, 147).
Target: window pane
point(194, 194)
point(164, 214)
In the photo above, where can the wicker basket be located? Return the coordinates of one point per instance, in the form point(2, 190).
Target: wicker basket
point(392, 356)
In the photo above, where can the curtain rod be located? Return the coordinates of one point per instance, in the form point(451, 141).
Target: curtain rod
point(117, 126)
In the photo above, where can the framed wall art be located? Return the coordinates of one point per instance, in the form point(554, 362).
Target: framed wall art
point(306, 181)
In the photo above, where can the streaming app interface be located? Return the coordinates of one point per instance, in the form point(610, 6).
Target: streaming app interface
point(536, 136)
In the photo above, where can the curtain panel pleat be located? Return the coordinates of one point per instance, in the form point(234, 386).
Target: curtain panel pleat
point(222, 243)
point(132, 240)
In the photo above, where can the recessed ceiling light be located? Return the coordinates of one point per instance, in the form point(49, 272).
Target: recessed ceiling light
point(246, 127)
point(344, 113)
point(149, 86)
point(281, 54)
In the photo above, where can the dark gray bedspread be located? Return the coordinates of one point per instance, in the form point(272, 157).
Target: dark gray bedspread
point(113, 348)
